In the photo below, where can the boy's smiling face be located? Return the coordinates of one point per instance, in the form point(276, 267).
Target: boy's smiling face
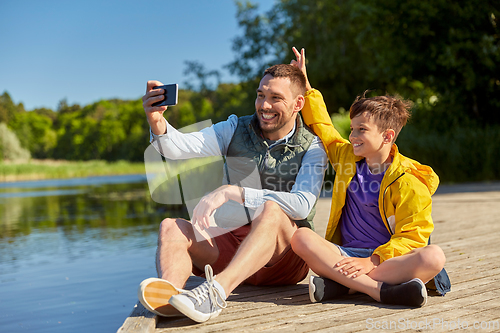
point(367, 139)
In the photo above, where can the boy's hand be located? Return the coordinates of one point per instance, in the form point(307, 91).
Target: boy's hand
point(354, 267)
point(300, 63)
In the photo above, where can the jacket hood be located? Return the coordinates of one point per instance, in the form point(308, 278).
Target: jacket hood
point(424, 173)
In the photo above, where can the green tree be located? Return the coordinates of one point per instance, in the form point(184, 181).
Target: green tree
point(35, 133)
point(108, 129)
point(450, 50)
point(8, 108)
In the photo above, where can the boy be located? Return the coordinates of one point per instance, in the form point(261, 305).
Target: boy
point(381, 207)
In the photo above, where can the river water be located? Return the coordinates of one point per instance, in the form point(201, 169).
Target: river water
point(73, 252)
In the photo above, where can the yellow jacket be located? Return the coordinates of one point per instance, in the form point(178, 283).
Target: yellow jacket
point(404, 202)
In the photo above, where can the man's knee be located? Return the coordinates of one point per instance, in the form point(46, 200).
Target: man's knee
point(271, 214)
point(173, 228)
point(272, 208)
point(167, 225)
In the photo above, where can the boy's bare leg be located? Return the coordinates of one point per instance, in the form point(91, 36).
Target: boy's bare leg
point(178, 249)
point(423, 263)
point(321, 256)
point(266, 243)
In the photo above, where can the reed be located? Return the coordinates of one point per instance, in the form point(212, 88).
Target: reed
point(51, 169)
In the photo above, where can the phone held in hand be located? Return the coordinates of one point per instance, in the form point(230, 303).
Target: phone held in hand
point(169, 94)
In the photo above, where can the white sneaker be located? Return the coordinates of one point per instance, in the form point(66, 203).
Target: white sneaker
point(155, 294)
point(203, 302)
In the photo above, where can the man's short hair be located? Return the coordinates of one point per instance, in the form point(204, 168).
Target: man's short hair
point(295, 75)
point(388, 112)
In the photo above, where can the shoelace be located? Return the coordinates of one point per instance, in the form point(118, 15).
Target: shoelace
point(201, 292)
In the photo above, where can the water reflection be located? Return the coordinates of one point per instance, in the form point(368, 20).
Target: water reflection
point(61, 242)
point(78, 208)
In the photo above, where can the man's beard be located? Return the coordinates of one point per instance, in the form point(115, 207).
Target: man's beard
point(275, 127)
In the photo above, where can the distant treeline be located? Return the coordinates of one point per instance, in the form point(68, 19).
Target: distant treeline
point(106, 130)
point(442, 55)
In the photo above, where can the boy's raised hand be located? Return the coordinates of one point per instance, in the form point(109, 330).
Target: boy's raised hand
point(300, 63)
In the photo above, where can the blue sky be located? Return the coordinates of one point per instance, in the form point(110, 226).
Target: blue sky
point(89, 50)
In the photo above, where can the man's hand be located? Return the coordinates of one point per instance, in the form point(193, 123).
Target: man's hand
point(214, 200)
point(354, 267)
point(154, 113)
point(300, 63)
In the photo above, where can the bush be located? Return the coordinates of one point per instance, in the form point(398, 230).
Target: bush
point(457, 155)
point(10, 148)
point(342, 123)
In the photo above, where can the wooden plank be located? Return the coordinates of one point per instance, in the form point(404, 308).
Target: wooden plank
point(357, 320)
point(139, 321)
point(269, 316)
point(466, 227)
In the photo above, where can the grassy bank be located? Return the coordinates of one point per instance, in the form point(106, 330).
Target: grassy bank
point(51, 169)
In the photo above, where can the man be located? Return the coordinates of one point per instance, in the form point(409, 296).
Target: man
point(290, 161)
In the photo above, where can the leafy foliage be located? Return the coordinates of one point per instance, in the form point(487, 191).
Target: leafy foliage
point(10, 148)
point(443, 55)
point(451, 50)
point(110, 130)
point(114, 130)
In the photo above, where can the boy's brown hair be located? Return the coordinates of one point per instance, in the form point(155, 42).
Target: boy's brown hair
point(297, 78)
point(388, 112)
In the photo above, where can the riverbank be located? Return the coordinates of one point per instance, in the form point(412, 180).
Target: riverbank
point(51, 169)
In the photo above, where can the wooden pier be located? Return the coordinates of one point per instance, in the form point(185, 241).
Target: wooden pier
point(467, 227)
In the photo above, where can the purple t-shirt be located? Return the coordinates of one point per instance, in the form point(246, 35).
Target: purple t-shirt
point(360, 223)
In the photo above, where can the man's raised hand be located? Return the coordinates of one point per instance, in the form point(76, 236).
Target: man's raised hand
point(154, 114)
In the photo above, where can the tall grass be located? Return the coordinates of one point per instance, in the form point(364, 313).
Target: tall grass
point(48, 169)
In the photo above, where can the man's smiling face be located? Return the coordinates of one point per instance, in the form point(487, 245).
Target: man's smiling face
point(276, 107)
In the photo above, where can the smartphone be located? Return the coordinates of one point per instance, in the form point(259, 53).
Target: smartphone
point(170, 95)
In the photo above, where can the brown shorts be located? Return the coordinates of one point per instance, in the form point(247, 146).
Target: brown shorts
point(290, 269)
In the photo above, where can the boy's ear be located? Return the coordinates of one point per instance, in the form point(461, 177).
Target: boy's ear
point(389, 136)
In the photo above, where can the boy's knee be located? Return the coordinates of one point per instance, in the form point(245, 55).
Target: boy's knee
point(433, 257)
point(301, 240)
point(438, 256)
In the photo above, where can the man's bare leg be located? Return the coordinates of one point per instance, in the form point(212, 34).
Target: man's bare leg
point(321, 256)
point(266, 243)
point(178, 249)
